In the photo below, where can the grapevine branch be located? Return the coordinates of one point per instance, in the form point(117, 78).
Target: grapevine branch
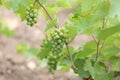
point(45, 11)
point(73, 66)
point(98, 43)
point(97, 52)
point(69, 56)
point(101, 47)
point(34, 3)
point(94, 38)
point(103, 26)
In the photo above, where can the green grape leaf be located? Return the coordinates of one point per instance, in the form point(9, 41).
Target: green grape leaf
point(88, 67)
point(109, 52)
point(42, 63)
point(113, 40)
point(101, 12)
point(52, 10)
point(89, 20)
point(14, 5)
point(79, 63)
point(73, 31)
point(31, 52)
point(44, 51)
point(51, 24)
point(97, 71)
point(43, 1)
point(21, 48)
point(50, 4)
point(18, 6)
point(63, 3)
point(21, 12)
point(115, 8)
point(108, 32)
point(113, 21)
point(100, 72)
point(88, 49)
point(0, 2)
point(65, 67)
point(88, 4)
point(4, 29)
point(115, 63)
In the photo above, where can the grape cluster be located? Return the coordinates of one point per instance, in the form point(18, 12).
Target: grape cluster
point(59, 37)
point(52, 63)
point(31, 15)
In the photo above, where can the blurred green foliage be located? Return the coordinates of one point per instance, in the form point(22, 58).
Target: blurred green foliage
point(4, 29)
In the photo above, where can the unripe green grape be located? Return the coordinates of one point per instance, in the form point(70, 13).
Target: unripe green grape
point(45, 42)
point(55, 48)
point(58, 51)
point(56, 37)
point(53, 45)
point(27, 12)
point(31, 14)
point(59, 46)
point(28, 9)
point(27, 17)
point(31, 6)
point(35, 19)
point(31, 24)
point(30, 19)
point(61, 34)
point(59, 41)
point(28, 23)
point(35, 14)
point(35, 11)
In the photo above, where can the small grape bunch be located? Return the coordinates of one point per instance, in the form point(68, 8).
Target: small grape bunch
point(59, 37)
point(31, 15)
point(52, 63)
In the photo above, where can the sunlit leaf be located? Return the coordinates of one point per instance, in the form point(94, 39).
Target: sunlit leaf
point(88, 49)
point(4, 29)
point(63, 3)
point(115, 63)
point(109, 52)
point(108, 32)
point(51, 24)
point(73, 30)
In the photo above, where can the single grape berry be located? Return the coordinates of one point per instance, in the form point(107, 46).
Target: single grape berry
point(31, 15)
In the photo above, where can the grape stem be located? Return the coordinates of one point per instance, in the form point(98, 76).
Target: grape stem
point(99, 41)
point(94, 38)
point(34, 3)
point(40, 4)
point(70, 57)
point(97, 52)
